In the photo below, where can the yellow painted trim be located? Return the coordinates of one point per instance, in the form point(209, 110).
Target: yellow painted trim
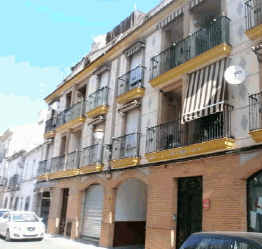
point(64, 173)
point(167, 78)
point(43, 177)
point(216, 145)
point(256, 135)
point(71, 124)
point(49, 134)
point(91, 168)
point(130, 95)
point(109, 55)
point(125, 162)
point(255, 32)
point(100, 110)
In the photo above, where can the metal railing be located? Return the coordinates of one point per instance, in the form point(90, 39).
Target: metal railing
point(100, 97)
point(126, 146)
point(75, 111)
point(253, 13)
point(199, 42)
point(14, 180)
point(174, 134)
point(92, 155)
point(131, 80)
point(255, 111)
point(64, 162)
point(50, 124)
point(44, 167)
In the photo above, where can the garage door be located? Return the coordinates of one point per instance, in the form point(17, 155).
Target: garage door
point(92, 213)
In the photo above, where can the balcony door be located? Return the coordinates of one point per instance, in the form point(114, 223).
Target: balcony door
point(136, 72)
point(132, 120)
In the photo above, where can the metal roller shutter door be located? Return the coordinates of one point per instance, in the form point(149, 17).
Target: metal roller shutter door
point(92, 213)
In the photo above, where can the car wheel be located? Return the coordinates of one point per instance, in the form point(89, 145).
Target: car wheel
point(7, 236)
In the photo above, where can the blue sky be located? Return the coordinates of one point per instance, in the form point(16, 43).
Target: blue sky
point(41, 40)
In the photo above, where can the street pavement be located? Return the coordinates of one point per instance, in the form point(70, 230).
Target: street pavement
point(54, 242)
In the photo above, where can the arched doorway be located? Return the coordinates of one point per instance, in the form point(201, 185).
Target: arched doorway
point(92, 212)
point(254, 202)
point(130, 213)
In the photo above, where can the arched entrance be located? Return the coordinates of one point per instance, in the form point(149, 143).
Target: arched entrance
point(254, 202)
point(92, 212)
point(130, 213)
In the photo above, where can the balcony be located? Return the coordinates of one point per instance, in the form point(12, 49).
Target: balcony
point(91, 159)
point(253, 15)
point(43, 169)
point(201, 136)
point(71, 117)
point(125, 151)
point(50, 125)
point(131, 85)
point(14, 183)
point(255, 116)
point(97, 103)
point(195, 51)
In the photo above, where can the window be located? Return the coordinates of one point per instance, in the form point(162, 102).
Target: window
point(213, 243)
point(27, 202)
point(6, 199)
point(16, 203)
point(242, 245)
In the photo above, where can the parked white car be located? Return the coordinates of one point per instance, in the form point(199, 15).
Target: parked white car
point(21, 225)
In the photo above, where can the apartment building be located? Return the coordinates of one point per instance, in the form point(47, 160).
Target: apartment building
point(146, 142)
point(20, 150)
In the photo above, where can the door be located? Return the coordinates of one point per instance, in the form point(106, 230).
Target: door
point(63, 211)
point(189, 216)
point(92, 212)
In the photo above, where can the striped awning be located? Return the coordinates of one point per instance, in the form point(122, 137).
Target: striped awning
point(205, 91)
point(134, 48)
point(194, 3)
point(170, 18)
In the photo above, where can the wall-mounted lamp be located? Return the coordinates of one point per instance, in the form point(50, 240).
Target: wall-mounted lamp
point(258, 51)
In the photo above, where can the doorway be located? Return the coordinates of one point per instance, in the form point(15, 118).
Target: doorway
point(189, 216)
point(63, 211)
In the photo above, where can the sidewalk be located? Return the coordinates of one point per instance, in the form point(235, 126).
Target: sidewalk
point(82, 243)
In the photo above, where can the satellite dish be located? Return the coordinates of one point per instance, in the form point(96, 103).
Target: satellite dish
point(55, 106)
point(235, 75)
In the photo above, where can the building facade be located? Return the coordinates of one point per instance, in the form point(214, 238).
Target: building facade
point(146, 142)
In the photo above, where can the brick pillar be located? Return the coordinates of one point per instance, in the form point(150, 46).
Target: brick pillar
point(74, 211)
point(108, 218)
point(55, 203)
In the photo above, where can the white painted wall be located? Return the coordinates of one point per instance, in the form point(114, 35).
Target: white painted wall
point(131, 201)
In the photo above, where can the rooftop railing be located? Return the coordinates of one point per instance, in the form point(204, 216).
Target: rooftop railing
point(126, 146)
point(199, 42)
point(75, 111)
point(253, 13)
point(174, 134)
point(100, 97)
point(131, 80)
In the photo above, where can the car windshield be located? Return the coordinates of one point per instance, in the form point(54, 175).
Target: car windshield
point(2, 212)
point(23, 217)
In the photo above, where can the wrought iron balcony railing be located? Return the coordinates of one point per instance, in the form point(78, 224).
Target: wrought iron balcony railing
point(50, 124)
point(64, 162)
point(255, 111)
point(174, 134)
point(100, 97)
point(126, 146)
point(44, 167)
point(75, 111)
point(199, 42)
point(92, 155)
point(131, 80)
point(253, 13)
